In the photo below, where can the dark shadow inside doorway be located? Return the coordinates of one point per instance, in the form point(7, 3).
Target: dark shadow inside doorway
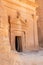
point(18, 43)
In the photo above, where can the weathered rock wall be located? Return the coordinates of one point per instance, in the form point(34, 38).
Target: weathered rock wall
point(40, 21)
point(4, 36)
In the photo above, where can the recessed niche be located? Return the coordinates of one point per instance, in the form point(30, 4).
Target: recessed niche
point(18, 43)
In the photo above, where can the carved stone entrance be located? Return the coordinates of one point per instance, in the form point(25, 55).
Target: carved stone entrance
point(18, 43)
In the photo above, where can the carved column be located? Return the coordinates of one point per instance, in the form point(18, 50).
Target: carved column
point(35, 18)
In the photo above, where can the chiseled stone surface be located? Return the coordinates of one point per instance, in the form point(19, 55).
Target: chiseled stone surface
point(11, 58)
point(4, 59)
point(16, 59)
point(8, 57)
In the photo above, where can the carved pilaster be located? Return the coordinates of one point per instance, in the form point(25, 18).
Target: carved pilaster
point(35, 18)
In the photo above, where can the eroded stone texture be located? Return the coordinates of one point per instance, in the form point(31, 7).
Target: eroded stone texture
point(40, 22)
point(4, 36)
point(19, 27)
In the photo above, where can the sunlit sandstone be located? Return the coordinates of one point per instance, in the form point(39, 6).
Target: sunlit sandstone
point(17, 18)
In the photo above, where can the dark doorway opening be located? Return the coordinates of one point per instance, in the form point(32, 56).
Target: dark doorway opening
point(18, 43)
